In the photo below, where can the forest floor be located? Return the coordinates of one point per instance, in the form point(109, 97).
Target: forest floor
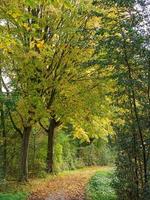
point(66, 186)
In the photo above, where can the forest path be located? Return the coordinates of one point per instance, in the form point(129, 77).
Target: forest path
point(67, 186)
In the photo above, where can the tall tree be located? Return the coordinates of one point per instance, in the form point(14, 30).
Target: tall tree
point(2, 131)
point(45, 54)
point(127, 52)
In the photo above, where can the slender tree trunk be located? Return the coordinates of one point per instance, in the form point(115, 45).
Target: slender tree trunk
point(135, 110)
point(24, 155)
point(135, 144)
point(50, 147)
point(3, 132)
point(140, 131)
point(34, 149)
point(4, 142)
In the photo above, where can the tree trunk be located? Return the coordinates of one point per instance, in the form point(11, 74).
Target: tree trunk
point(50, 147)
point(4, 143)
point(24, 153)
point(2, 134)
point(135, 110)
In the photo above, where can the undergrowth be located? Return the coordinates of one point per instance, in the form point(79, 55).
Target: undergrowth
point(13, 196)
point(99, 187)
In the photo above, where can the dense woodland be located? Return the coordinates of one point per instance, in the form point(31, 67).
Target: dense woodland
point(75, 90)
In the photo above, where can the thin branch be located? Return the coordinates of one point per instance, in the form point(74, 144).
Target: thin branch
point(45, 129)
point(11, 118)
point(14, 125)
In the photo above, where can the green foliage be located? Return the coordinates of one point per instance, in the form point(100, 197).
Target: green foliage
point(11, 196)
point(99, 187)
point(97, 153)
point(70, 153)
point(37, 154)
point(123, 47)
point(58, 157)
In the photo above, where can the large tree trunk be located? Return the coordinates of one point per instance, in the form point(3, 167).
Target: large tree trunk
point(24, 153)
point(50, 147)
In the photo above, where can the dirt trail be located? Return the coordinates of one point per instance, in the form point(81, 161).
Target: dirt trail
point(70, 186)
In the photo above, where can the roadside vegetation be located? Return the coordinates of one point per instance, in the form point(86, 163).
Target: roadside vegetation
point(12, 196)
point(100, 187)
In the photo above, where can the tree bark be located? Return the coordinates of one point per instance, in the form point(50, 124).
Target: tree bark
point(50, 147)
point(24, 153)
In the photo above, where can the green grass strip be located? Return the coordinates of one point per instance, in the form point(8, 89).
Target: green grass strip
point(13, 196)
point(99, 187)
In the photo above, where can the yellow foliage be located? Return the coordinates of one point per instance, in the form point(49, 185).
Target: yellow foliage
point(26, 26)
point(40, 44)
point(81, 134)
point(32, 44)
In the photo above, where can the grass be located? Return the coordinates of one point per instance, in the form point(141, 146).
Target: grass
point(99, 187)
point(13, 196)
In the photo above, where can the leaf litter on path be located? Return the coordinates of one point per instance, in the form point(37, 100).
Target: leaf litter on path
point(70, 186)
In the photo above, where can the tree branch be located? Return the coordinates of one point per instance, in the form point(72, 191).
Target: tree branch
point(45, 129)
point(14, 125)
